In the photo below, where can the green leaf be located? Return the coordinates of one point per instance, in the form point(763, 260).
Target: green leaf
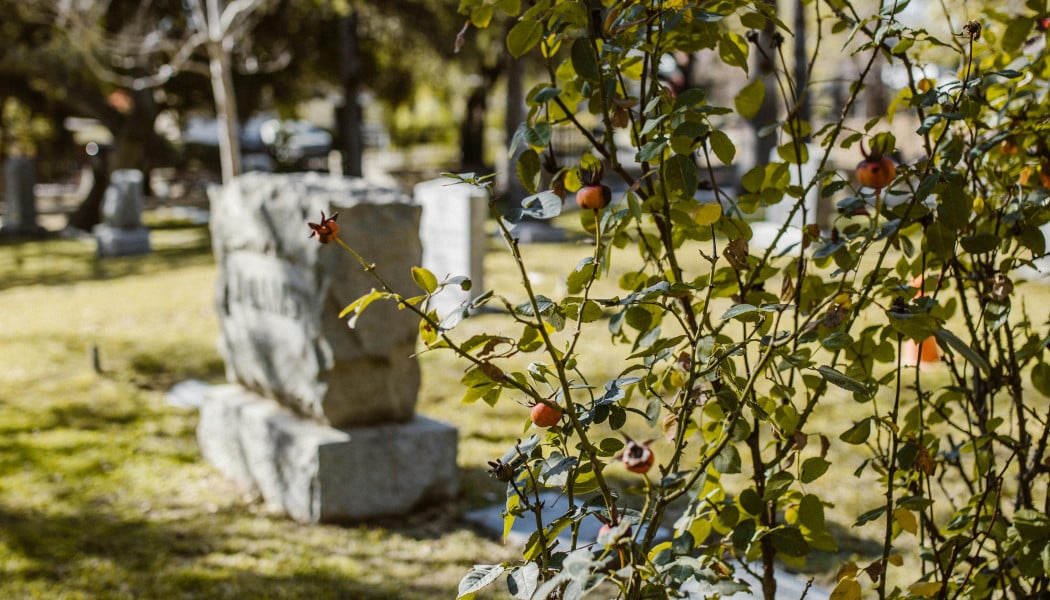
point(707, 214)
point(477, 579)
point(733, 49)
point(750, 500)
point(610, 446)
point(556, 470)
point(652, 150)
point(951, 341)
point(739, 311)
point(510, 7)
point(509, 514)
point(750, 98)
point(584, 60)
point(777, 484)
point(544, 205)
point(811, 513)
point(870, 516)
point(843, 381)
point(858, 434)
point(523, 37)
point(1041, 378)
point(722, 146)
point(727, 461)
point(529, 170)
point(680, 178)
point(546, 95)
point(1016, 33)
point(813, 468)
point(539, 135)
point(579, 277)
point(789, 541)
point(424, 279)
point(522, 582)
point(358, 306)
point(481, 16)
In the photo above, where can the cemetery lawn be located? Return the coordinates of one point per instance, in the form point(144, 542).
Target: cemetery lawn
point(102, 490)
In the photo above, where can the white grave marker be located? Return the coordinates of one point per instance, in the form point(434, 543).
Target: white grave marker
point(452, 229)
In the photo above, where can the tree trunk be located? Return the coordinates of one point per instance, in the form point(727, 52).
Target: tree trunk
point(800, 76)
point(350, 117)
point(135, 146)
point(225, 97)
point(513, 189)
point(89, 212)
point(472, 132)
point(767, 113)
point(875, 104)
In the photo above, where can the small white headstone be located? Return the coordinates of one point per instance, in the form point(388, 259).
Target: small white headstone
point(778, 213)
point(452, 229)
point(121, 233)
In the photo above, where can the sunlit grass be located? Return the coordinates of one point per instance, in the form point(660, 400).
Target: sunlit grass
point(102, 490)
point(103, 493)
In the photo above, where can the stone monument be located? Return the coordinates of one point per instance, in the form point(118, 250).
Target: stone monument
point(21, 217)
point(121, 232)
point(452, 229)
point(320, 418)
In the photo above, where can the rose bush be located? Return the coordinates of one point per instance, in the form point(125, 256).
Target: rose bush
point(737, 351)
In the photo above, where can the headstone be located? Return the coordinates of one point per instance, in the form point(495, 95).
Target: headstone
point(121, 232)
point(778, 213)
point(1039, 270)
point(452, 229)
point(21, 217)
point(320, 418)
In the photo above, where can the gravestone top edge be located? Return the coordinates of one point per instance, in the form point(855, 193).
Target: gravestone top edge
point(279, 292)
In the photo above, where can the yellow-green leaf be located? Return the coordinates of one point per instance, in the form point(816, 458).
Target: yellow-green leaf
point(482, 16)
point(424, 279)
point(722, 146)
point(926, 589)
point(847, 589)
point(906, 519)
point(707, 214)
point(523, 37)
point(750, 98)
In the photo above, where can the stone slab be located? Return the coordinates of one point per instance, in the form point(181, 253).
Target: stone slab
point(122, 203)
point(319, 474)
point(490, 519)
point(115, 241)
point(279, 294)
point(452, 230)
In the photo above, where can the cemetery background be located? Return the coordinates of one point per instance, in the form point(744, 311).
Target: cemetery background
point(96, 461)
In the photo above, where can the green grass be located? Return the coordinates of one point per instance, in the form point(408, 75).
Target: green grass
point(102, 490)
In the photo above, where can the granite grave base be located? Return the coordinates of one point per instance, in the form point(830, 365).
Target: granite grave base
point(116, 241)
point(320, 474)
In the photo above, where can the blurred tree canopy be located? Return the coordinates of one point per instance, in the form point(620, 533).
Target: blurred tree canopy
point(123, 63)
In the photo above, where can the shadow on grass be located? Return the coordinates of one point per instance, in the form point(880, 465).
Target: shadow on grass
point(103, 555)
point(64, 261)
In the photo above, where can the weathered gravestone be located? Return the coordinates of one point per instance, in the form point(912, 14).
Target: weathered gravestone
point(21, 217)
point(121, 232)
point(778, 213)
point(452, 229)
point(320, 417)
